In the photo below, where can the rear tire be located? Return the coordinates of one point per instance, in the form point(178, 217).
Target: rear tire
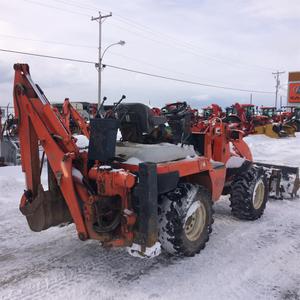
point(185, 219)
point(249, 194)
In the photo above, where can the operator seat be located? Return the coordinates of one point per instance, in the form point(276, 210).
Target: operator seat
point(138, 122)
point(143, 137)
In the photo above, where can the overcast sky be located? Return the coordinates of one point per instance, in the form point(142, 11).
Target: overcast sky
point(234, 43)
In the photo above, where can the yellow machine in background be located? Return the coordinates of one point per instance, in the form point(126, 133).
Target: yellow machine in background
point(275, 130)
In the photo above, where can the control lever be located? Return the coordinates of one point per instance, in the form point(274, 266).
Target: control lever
point(100, 111)
point(110, 113)
point(118, 103)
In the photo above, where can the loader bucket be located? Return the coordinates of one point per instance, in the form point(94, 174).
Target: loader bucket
point(283, 180)
point(260, 129)
point(275, 130)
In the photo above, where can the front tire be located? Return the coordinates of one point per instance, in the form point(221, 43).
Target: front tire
point(185, 219)
point(249, 194)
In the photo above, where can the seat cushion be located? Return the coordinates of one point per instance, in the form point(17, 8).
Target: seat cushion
point(135, 153)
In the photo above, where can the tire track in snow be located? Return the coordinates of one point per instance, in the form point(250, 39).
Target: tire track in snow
point(116, 268)
point(250, 260)
point(80, 264)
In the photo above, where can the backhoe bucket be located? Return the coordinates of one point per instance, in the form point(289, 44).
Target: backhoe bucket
point(48, 208)
point(283, 180)
point(275, 130)
point(45, 211)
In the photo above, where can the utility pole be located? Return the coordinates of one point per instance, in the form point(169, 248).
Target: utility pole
point(251, 98)
point(277, 74)
point(99, 20)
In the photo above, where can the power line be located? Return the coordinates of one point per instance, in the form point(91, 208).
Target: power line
point(77, 5)
point(94, 47)
point(176, 45)
point(138, 72)
point(159, 67)
point(134, 32)
point(188, 47)
point(155, 32)
point(57, 8)
point(186, 81)
point(81, 5)
point(49, 56)
point(47, 42)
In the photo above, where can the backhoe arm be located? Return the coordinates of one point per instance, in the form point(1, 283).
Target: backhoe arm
point(70, 112)
point(39, 125)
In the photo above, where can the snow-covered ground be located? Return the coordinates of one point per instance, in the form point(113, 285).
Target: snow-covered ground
point(242, 260)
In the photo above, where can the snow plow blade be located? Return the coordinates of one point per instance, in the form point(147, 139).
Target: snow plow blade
point(283, 180)
point(276, 130)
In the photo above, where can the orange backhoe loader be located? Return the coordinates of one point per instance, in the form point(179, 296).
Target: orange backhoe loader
point(135, 193)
